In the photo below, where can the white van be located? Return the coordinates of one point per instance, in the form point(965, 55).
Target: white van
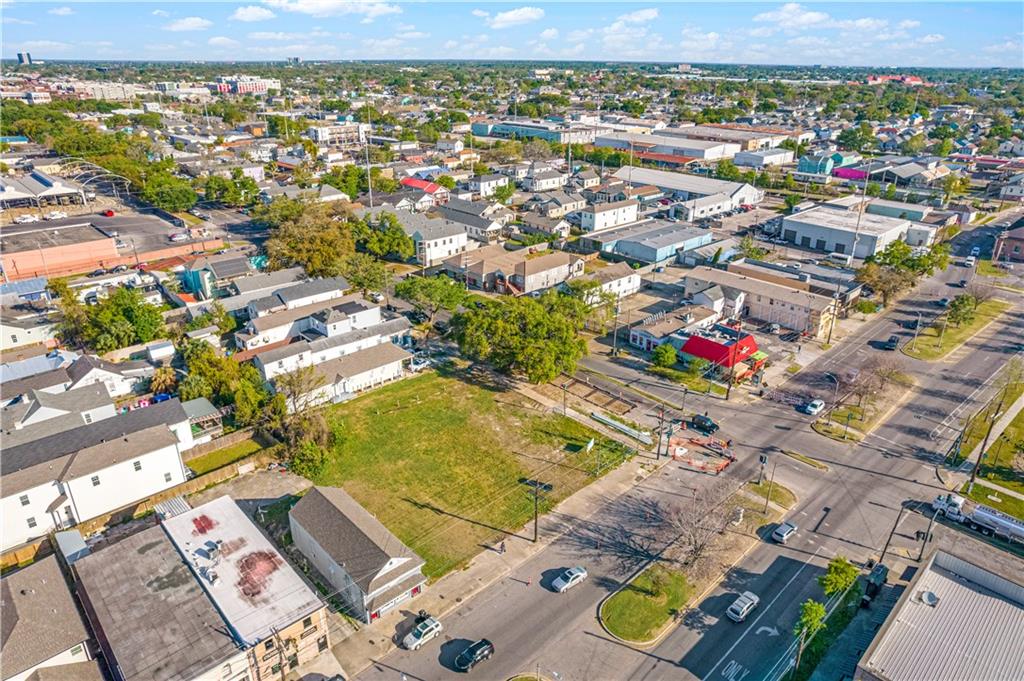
point(970, 261)
point(840, 258)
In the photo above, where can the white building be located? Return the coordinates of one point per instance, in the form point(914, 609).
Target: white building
point(685, 186)
point(664, 144)
point(837, 231)
point(764, 158)
point(543, 179)
point(339, 133)
point(703, 207)
point(619, 280)
point(607, 215)
point(487, 185)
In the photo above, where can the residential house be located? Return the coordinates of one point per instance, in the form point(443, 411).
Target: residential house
point(1009, 246)
point(210, 277)
point(527, 270)
point(603, 216)
point(531, 223)
point(324, 193)
point(487, 185)
point(618, 279)
point(435, 239)
point(478, 227)
point(555, 204)
point(42, 628)
point(482, 209)
point(20, 327)
point(370, 569)
point(404, 199)
point(543, 178)
point(672, 327)
point(301, 294)
point(586, 178)
point(57, 480)
point(440, 194)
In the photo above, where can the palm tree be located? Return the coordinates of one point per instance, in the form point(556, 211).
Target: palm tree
point(164, 380)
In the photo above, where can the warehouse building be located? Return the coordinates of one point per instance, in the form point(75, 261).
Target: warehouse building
point(653, 241)
point(748, 139)
point(686, 187)
point(662, 144)
point(763, 158)
point(850, 232)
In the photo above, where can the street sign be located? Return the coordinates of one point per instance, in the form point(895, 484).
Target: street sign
point(764, 459)
point(590, 445)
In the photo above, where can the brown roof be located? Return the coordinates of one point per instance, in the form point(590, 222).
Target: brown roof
point(351, 536)
point(87, 670)
point(543, 263)
point(38, 616)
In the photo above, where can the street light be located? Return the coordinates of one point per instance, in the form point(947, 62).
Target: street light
point(835, 396)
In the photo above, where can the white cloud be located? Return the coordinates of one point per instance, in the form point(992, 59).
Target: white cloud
point(574, 51)
point(579, 35)
point(160, 13)
point(252, 13)
point(333, 8)
point(274, 35)
point(382, 44)
point(909, 23)
point(499, 52)
point(696, 41)
point(549, 34)
point(793, 16)
point(451, 44)
point(41, 45)
point(222, 41)
point(1008, 46)
point(15, 20)
point(412, 35)
point(808, 41)
point(640, 16)
point(762, 31)
point(515, 17)
point(189, 24)
point(863, 24)
point(480, 13)
point(61, 11)
point(931, 39)
point(161, 47)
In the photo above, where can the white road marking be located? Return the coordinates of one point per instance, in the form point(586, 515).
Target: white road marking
point(763, 613)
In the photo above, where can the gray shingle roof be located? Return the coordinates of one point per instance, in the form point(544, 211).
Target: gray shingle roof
point(38, 617)
point(350, 535)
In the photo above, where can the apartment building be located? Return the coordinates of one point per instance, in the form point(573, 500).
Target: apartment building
point(607, 215)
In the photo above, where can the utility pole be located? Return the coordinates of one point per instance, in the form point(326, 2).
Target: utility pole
point(916, 329)
point(565, 408)
point(988, 434)
point(536, 507)
point(771, 485)
point(891, 533)
point(927, 536)
point(661, 431)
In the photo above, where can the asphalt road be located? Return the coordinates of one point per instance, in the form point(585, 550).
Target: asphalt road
point(850, 511)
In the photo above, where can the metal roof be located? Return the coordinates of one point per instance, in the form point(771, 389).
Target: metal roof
point(955, 622)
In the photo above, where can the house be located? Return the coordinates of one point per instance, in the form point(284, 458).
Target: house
point(434, 238)
point(324, 193)
point(478, 227)
point(57, 480)
point(672, 327)
point(585, 178)
point(119, 379)
point(42, 628)
point(370, 569)
point(23, 327)
point(440, 194)
point(555, 204)
point(487, 185)
point(603, 216)
point(39, 412)
point(1009, 246)
point(543, 179)
point(618, 279)
point(531, 223)
point(405, 199)
point(211, 277)
point(482, 209)
point(346, 376)
point(1012, 189)
point(527, 270)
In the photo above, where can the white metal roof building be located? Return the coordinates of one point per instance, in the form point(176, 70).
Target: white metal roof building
point(706, 150)
point(955, 622)
point(37, 186)
point(690, 186)
point(837, 231)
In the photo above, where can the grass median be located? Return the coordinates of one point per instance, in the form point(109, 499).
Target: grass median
point(932, 344)
point(1004, 461)
point(780, 495)
point(448, 462)
point(643, 607)
point(975, 431)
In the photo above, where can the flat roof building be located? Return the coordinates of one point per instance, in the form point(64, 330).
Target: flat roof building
point(848, 232)
point(706, 150)
point(955, 621)
point(687, 186)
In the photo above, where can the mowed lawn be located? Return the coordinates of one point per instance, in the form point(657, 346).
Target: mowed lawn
point(448, 465)
point(222, 457)
point(929, 347)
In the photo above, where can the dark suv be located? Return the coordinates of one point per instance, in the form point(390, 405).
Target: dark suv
point(474, 655)
point(893, 343)
point(704, 424)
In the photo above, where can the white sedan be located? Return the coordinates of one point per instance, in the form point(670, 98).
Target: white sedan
point(568, 579)
point(814, 407)
point(56, 215)
point(23, 219)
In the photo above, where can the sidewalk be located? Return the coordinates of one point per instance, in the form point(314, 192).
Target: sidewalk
point(373, 642)
point(962, 473)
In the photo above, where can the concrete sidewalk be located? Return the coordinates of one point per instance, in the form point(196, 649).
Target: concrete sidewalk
point(962, 473)
point(373, 642)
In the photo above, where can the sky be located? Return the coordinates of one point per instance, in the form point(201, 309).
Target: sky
point(967, 34)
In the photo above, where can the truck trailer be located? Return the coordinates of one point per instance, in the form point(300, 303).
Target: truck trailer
point(979, 517)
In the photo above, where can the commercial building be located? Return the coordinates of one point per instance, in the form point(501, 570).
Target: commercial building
point(38, 187)
point(851, 233)
point(748, 139)
point(652, 241)
point(244, 85)
point(763, 158)
point(950, 595)
point(735, 295)
point(339, 133)
point(42, 628)
point(685, 187)
point(549, 131)
point(369, 568)
point(664, 144)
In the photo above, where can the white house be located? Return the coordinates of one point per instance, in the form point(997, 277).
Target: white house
point(56, 481)
point(487, 185)
point(619, 280)
point(369, 567)
point(607, 215)
point(544, 179)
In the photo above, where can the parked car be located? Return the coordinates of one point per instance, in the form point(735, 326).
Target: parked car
point(118, 269)
point(912, 324)
point(474, 655)
point(704, 424)
point(970, 261)
point(55, 215)
point(893, 343)
point(943, 302)
point(108, 213)
point(963, 283)
point(568, 579)
point(814, 407)
point(743, 606)
point(784, 532)
point(375, 296)
point(180, 236)
point(419, 363)
point(422, 633)
point(976, 251)
point(24, 219)
point(98, 272)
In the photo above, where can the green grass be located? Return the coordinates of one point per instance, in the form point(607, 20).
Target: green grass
point(780, 495)
point(819, 646)
point(836, 431)
point(190, 220)
point(805, 459)
point(987, 269)
point(639, 611)
point(930, 348)
point(978, 425)
point(690, 379)
point(793, 369)
point(1004, 461)
point(446, 463)
point(222, 457)
point(1007, 504)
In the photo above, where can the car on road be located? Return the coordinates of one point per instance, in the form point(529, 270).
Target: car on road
point(24, 219)
point(107, 213)
point(568, 579)
point(422, 633)
point(970, 261)
point(814, 407)
point(912, 324)
point(118, 269)
point(703, 424)
point(55, 215)
point(784, 532)
point(976, 251)
point(893, 343)
point(963, 283)
point(98, 272)
point(743, 606)
point(474, 655)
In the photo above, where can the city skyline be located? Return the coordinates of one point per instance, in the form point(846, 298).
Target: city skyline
point(838, 34)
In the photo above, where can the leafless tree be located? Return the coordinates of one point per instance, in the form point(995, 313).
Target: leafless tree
point(697, 524)
point(299, 387)
point(883, 370)
point(980, 292)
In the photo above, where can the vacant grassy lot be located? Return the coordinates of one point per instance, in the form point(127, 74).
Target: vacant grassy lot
point(639, 611)
point(222, 457)
point(448, 464)
point(929, 347)
point(987, 269)
point(691, 379)
point(975, 431)
point(1007, 504)
point(1004, 462)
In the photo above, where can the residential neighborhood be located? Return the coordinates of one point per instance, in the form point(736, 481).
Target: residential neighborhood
point(392, 341)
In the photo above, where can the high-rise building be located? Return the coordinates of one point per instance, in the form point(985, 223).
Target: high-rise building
point(295, 60)
point(24, 58)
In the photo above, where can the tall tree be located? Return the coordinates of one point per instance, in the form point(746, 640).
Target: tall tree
point(366, 273)
point(430, 295)
point(318, 239)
